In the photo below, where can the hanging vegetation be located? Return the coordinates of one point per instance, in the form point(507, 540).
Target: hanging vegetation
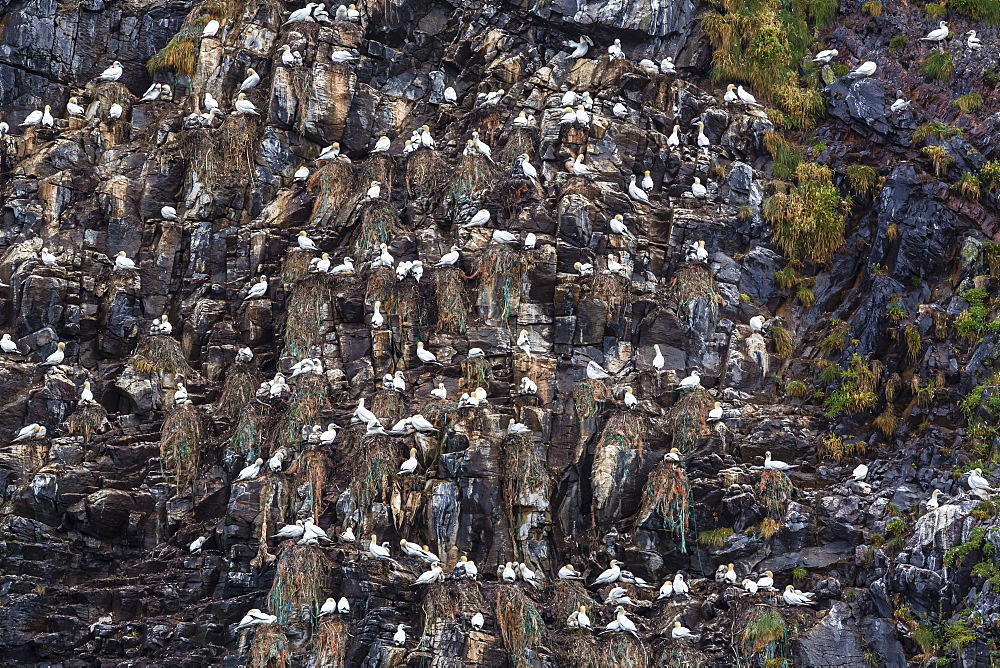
point(239, 388)
point(308, 306)
point(500, 272)
point(374, 462)
point(773, 491)
point(87, 420)
point(809, 221)
point(160, 354)
point(473, 175)
point(180, 55)
point(686, 419)
point(330, 642)
point(314, 469)
point(332, 185)
point(587, 398)
point(270, 648)
point(299, 582)
point(251, 426)
point(617, 454)
point(521, 625)
point(180, 444)
point(452, 303)
point(309, 400)
point(476, 372)
point(667, 495)
point(379, 225)
point(425, 172)
point(524, 478)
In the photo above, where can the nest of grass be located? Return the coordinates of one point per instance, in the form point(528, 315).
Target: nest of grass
point(388, 405)
point(588, 395)
point(567, 596)
point(612, 289)
point(623, 651)
point(521, 625)
point(617, 455)
point(575, 648)
point(234, 148)
point(314, 469)
point(254, 421)
point(87, 420)
point(476, 372)
point(332, 186)
point(438, 413)
point(691, 283)
point(297, 589)
point(487, 121)
point(308, 402)
point(295, 267)
point(773, 491)
point(499, 272)
point(270, 647)
point(308, 306)
point(520, 140)
point(374, 462)
point(379, 167)
point(180, 438)
point(439, 606)
point(379, 224)
point(452, 303)
point(425, 173)
point(513, 194)
point(523, 474)
point(686, 419)
point(239, 388)
point(380, 286)
point(473, 175)
point(330, 642)
point(667, 494)
point(160, 354)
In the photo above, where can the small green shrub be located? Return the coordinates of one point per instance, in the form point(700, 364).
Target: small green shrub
point(940, 159)
point(796, 389)
point(808, 222)
point(937, 130)
point(897, 43)
point(969, 102)
point(968, 187)
point(990, 174)
point(799, 573)
point(980, 10)
point(935, 11)
point(991, 78)
point(938, 66)
point(715, 538)
point(862, 178)
point(872, 8)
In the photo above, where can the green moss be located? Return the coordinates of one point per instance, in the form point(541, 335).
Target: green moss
point(796, 389)
point(808, 222)
point(799, 573)
point(835, 338)
point(786, 156)
point(968, 187)
point(897, 43)
point(990, 174)
point(991, 78)
point(938, 66)
point(715, 538)
point(937, 130)
point(935, 11)
point(856, 392)
point(976, 543)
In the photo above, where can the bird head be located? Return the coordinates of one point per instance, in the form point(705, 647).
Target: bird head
point(677, 625)
point(286, 48)
point(121, 253)
point(60, 345)
point(769, 574)
point(767, 454)
point(86, 383)
point(697, 180)
point(48, 108)
point(674, 451)
point(241, 96)
point(730, 567)
point(402, 542)
point(374, 539)
point(789, 588)
point(259, 461)
point(73, 100)
point(116, 64)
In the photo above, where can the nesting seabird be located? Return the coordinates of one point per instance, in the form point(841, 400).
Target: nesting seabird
point(776, 464)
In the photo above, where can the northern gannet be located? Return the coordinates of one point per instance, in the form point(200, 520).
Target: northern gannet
point(251, 80)
point(377, 318)
point(277, 461)
point(258, 289)
point(619, 110)
point(978, 483)
point(112, 73)
point(343, 606)
point(527, 386)
point(630, 399)
point(932, 503)
point(674, 455)
point(508, 574)
point(362, 413)
point(450, 95)
point(900, 104)
point(347, 267)
point(698, 190)
point(382, 144)
point(115, 111)
point(399, 382)
point(152, 93)
point(568, 117)
point(577, 167)
point(580, 48)
point(750, 586)
point(245, 106)
point(301, 174)
point(290, 58)
point(211, 29)
point(647, 181)
point(479, 219)
point(244, 355)
point(250, 472)
point(86, 395)
point(48, 259)
point(433, 575)
point(618, 226)
point(477, 621)
point(303, 14)
point(529, 575)
point(666, 590)
point(939, 34)
point(181, 395)
point(378, 551)
point(399, 637)
point(615, 51)
point(74, 109)
point(667, 66)
point(410, 465)
point(825, 56)
point(347, 535)
point(123, 262)
point(766, 581)
point(865, 69)
point(595, 371)
point(168, 212)
point(39, 117)
point(29, 432)
point(690, 382)
point(57, 356)
point(716, 412)
point(524, 164)
point(703, 140)
point(374, 190)
point(291, 530)
point(746, 98)
point(776, 464)
point(440, 392)
point(517, 428)
point(860, 473)
point(730, 575)
point(466, 569)
point(330, 152)
point(342, 56)
point(793, 597)
point(196, 545)
point(567, 572)
point(255, 617)
point(210, 102)
point(504, 237)
point(682, 632)
point(481, 146)
point(973, 42)
point(757, 323)
point(612, 574)
point(637, 193)
point(680, 587)
point(329, 607)
point(622, 623)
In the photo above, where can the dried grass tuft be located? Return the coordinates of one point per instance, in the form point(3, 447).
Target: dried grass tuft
point(381, 287)
point(568, 596)
point(452, 303)
point(667, 494)
point(314, 469)
point(160, 354)
point(180, 440)
point(473, 175)
point(612, 289)
point(379, 167)
point(180, 55)
point(617, 454)
point(295, 267)
point(773, 491)
point(379, 225)
point(476, 372)
point(254, 421)
point(587, 398)
point(623, 651)
point(388, 406)
point(438, 606)
point(374, 462)
point(691, 283)
point(523, 475)
point(87, 420)
point(297, 589)
point(239, 388)
point(308, 305)
point(686, 419)
point(520, 140)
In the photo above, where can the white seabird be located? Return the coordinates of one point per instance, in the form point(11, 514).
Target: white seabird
point(433, 575)
point(245, 106)
point(277, 461)
point(481, 146)
point(331, 152)
point(115, 111)
point(567, 572)
point(480, 218)
point(766, 581)
point(123, 262)
point(939, 34)
point(347, 535)
point(932, 503)
point(300, 14)
point(152, 93)
point(595, 371)
point(978, 483)
point(7, 345)
point(342, 56)
point(168, 212)
point(477, 621)
point(48, 259)
point(622, 623)
point(211, 29)
point(680, 587)
point(793, 597)
point(424, 355)
point(690, 382)
point(703, 140)
point(749, 586)
point(615, 51)
point(776, 464)
point(698, 190)
point(973, 42)
point(57, 356)
point(440, 392)
point(344, 606)
point(637, 193)
point(377, 318)
point(378, 551)
point(682, 632)
point(258, 289)
point(825, 56)
point(196, 544)
point(859, 473)
point(667, 66)
point(618, 226)
point(291, 530)
point(363, 414)
point(251, 80)
point(250, 472)
point(305, 243)
point(630, 399)
point(112, 73)
point(716, 412)
point(865, 69)
point(508, 573)
point(74, 109)
point(580, 48)
point(329, 607)
point(647, 181)
point(619, 110)
point(612, 574)
point(29, 432)
point(382, 144)
point(254, 617)
point(410, 465)
point(399, 637)
point(347, 267)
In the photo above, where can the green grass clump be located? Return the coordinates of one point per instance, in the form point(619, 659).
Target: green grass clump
point(937, 130)
point(856, 392)
point(990, 174)
point(940, 159)
point(968, 187)
point(897, 43)
point(935, 11)
point(980, 10)
point(971, 323)
point(773, 490)
point(977, 543)
point(782, 339)
point(298, 585)
point(180, 55)
point(800, 573)
point(180, 444)
point(959, 635)
point(763, 44)
point(763, 632)
point(714, 538)
point(835, 338)
point(521, 624)
point(968, 102)
point(786, 156)
point(808, 222)
point(863, 179)
point(938, 66)
point(796, 389)
point(666, 496)
point(872, 8)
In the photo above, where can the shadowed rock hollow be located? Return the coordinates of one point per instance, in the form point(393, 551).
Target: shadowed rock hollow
point(824, 260)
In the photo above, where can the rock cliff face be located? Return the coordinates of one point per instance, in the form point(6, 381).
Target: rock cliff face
point(834, 286)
